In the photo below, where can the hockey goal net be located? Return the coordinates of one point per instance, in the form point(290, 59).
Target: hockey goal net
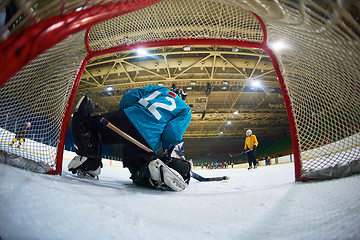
point(45, 47)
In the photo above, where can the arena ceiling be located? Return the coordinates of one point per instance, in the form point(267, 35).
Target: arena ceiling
point(229, 89)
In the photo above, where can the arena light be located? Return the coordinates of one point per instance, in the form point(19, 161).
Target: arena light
point(141, 51)
point(110, 88)
point(279, 45)
point(256, 83)
point(80, 9)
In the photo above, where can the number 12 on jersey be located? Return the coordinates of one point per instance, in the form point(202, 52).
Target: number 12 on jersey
point(153, 107)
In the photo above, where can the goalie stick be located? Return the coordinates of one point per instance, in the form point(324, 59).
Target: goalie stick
point(205, 179)
point(240, 153)
point(140, 145)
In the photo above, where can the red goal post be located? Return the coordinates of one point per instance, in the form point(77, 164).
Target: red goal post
point(41, 67)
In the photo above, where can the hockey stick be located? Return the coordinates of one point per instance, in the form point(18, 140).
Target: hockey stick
point(129, 138)
point(142, 146)
point(205, 179)
point(240, 153)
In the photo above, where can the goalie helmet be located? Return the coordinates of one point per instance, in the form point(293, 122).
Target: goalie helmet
point(248, 132)
point(183, 95)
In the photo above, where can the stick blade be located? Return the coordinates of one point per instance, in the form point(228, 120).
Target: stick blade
point(208, 179)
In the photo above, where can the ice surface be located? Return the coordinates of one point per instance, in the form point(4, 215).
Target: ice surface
point(265, 203)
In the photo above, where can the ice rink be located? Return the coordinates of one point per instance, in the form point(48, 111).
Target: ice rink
point(265, 203)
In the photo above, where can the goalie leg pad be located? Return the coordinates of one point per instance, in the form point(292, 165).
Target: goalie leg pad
point(85, 106)
point(86, 142)
point(166, 177)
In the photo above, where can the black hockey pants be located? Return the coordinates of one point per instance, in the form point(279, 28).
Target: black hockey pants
point(134, 156)
point(251, 158)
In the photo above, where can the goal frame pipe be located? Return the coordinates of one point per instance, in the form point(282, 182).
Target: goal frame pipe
point(18, 50)
point(222, 42)
point(288, 105)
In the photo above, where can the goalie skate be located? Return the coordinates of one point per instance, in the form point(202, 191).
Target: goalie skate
point(166, 177)
point(76, 167)
point(89, 174)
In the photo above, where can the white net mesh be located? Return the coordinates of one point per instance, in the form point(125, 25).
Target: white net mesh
point(322, 77)
point(177, 20)
point(319, 64)
point(38, 94)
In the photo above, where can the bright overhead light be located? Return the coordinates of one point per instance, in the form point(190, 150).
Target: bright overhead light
point(187, 48)
point(189, 88)
point(221, 132)
point(225, 82)
point(193, 83)
point(80, 8)
point(256, 83)
point(234, 49)
point(228, 122)
point(141, 51)
point(110, 88)
point(236, 112)
point(160, 84)
point(279, 45)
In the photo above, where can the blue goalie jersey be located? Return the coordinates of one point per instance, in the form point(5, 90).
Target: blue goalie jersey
point(160, 116)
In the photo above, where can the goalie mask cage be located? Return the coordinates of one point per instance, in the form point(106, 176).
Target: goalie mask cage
point(45, 53)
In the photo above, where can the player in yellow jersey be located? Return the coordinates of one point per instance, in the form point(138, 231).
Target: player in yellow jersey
point(251, 144)
point(21, 134)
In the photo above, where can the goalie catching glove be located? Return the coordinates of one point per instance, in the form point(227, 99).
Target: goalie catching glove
point(167, 173)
